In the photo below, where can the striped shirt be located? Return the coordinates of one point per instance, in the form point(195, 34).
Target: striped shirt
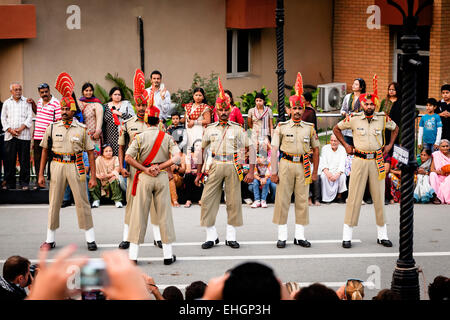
point(45, 115)
point(14, 115)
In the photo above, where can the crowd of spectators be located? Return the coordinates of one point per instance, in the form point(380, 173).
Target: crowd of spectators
point(125, 281)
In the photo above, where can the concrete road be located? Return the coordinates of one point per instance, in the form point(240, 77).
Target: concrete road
point(23, 229)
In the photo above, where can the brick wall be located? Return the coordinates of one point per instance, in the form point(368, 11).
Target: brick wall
point(359, 51)
point(439, 48)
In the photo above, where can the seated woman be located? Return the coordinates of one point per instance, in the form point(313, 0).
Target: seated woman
point(107, 167)
point(440, 170)
point(193, 193)
point(177, 181)
point(395, 177)
point(424, 192)
point(262, 181)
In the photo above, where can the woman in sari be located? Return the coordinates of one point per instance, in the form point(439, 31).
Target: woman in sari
point(440, 172)
point(196, 117)
point(424, 192)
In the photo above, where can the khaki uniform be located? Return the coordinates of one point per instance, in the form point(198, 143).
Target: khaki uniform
point(367, 137)
point(68, 141)
point(224, 142)
point(151, 188)
point(296, 140)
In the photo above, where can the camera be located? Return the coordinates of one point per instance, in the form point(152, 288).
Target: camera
point(92, 295)
point(93, 276)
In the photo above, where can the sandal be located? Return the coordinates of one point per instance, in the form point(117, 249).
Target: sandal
point(176, 204)
point(188, 204)
point(436, 201)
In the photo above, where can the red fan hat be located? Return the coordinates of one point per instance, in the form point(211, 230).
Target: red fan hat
point(64, 85)
point(298, 92)
point(222, 98)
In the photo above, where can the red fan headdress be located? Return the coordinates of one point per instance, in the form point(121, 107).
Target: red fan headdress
point(222, 98)
point(64, 85)
point(371, 96)
point(298, 92)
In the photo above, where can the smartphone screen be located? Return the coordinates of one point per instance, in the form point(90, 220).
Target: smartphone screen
point(93, 275)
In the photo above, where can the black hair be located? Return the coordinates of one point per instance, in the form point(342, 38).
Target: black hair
point(427, 151)
point(316, 292)
point(439, 289)
point(308, 96)
point(231, 96)
point(387, 295)
point(198, 89)
point(252, 281)
point(172, 293)
point(114, 90)
point(260, 95)
point(106, 145)
point(175, 114)
point(153, 121)
point(87, 85)
point(192, 148)
point(195, 290)
point(397, 89)
point(362, 84)
point(445, 87)
point(432, 101)
point(155, 72)
point(15, 266)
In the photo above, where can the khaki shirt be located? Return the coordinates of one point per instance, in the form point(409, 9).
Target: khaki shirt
point(143, 143)
point(133, 127)
point(367, 136)
point(295, 139)
point(72, 140)
point(225, 140)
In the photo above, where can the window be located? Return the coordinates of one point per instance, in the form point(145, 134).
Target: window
point(238, 53)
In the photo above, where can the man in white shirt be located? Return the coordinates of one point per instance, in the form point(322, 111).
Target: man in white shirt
point(161, 96)
point(332, 171)
point(16, 121)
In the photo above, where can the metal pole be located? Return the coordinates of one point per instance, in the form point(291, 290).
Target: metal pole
point(141, 42)
point(279, 16)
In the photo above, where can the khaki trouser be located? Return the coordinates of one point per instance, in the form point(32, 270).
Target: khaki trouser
point(63, 173)
point(361, 171)
point(129, 197)
point(292, 179)
point(149, 190)
point(219, 172)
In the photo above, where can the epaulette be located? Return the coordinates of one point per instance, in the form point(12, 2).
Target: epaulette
point(356, 114)
point(282, 123)
point(82, 124)
point(234, 123)
point(213, 124)
point(381, 113)
point(129, 119)
point(307, 123)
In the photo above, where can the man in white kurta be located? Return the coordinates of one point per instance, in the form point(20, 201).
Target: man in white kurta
point(332, 170)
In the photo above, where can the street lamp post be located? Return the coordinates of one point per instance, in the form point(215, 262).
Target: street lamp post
point(279, 16)
point(405, 280)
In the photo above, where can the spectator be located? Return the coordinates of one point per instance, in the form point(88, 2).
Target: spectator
point(439, 289)
point(114, 113)
point(316, 292)
point(309, 114)
point(235, 114)
point(92, 110)
point(195, 290)
point(351, 104)
point(352, 290)
point(260, 120)
point(196, 117)
point(444, 111)
point(16, 276)
point(430, 128)
point(395, 175)
point(107, 167)
point(178, 132)
point(2, 149)
point(47, 111)
point(391, 106)
point(423, 191)
point(161, 96)
point(172, 293)
point(16, 121)
point(440, 170)
point(176, 182)
point(195, 193)
point(262, 181)
point(332, 171)
point(387, 295)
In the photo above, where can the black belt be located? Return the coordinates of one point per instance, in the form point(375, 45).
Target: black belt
point(293, 158)
point(65, 157)
point(366, 155)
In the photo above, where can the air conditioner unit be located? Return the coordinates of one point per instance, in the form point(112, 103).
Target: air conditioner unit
point(331, 95)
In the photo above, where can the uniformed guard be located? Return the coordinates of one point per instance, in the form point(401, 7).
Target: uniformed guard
point(68, 139)
point(149, 153)
point(226, 139)
point(294, 139)
point(369, 148)
point(130, 128)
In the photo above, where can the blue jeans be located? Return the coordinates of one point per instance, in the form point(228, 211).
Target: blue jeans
point(265, 189)
point(68, 192)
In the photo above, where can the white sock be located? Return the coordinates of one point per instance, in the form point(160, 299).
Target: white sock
point(167, 251)
point(133, 251)
point(90, 235)
point(299, 232)
point(125, 232)
point(50, 236)
point(211, 233)
point(282, 232)
point(382, 233)
point(231, 233)
point(347, 233)
point(156, 232)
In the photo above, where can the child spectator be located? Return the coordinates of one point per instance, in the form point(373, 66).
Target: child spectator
point(430, 127)
point(107, 167)
point(424, 192)
point(178, 132)
point(262, 181)
point(260, 119)
point(444, 111)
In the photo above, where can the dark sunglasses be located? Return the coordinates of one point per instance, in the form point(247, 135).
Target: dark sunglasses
point(43, 86)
